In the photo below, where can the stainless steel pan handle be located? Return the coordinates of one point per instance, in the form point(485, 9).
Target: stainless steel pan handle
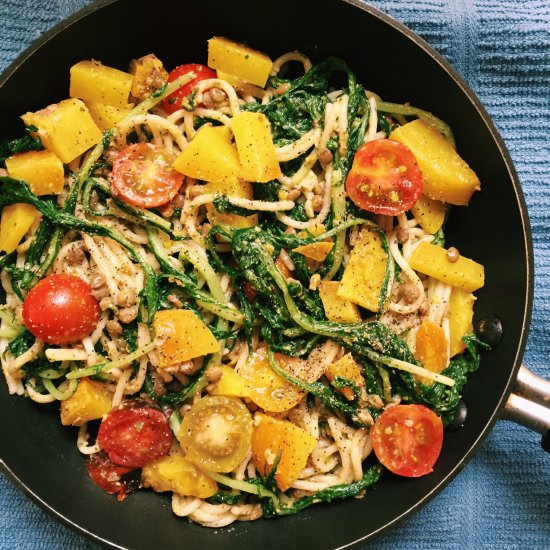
point(529, 404)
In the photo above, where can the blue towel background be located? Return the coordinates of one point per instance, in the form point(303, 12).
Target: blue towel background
point(502, 48)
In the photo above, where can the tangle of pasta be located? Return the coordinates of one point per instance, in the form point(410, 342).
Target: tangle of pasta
point(192, 235)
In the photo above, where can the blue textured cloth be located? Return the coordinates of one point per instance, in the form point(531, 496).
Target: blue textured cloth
point(502, 48)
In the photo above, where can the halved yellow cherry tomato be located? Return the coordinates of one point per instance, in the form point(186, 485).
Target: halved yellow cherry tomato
point(384, 178)
point(216, 433)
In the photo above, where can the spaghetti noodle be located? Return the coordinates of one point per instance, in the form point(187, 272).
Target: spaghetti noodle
point(213, 251)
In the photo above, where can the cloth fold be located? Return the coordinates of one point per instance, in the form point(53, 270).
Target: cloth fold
point(502, 48)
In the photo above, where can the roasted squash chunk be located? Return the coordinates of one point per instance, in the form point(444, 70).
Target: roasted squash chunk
point(432, 260)
point(15, 222)
point(461, 313)
point(268, 390)
point(365, 275)
point(149, 76)
point(230, 384)
point(315, 251)
point(90, 401)
point(65, 128)
point(446, 175)
point(240, 84)
point(175, 473)
point(93, 81)
point(431, 349)
point(210, 156)
point(42, 170)
point(272, 437)
point(337, 309)
point(106, 116)
point(232, 188)
point(239, 60)
point(429, 213)
point(255, 145)
point(180, 336)
point(346, 367)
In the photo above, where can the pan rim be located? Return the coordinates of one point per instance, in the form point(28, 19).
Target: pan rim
point(464, 87)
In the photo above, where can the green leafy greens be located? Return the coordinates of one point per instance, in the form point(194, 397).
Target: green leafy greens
point(20, 145)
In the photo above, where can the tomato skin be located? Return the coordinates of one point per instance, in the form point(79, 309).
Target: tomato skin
point(384, 178)
point(60, 309)
point(135, 434)
point(216, 433)
point(407, 439)
point(143, 176)
point(112, 478)
point(172, 103)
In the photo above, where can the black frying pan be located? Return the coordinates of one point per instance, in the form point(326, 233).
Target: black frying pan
point(40, 454)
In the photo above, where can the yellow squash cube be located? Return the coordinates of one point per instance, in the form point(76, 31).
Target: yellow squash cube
point(268, 390)
point(432, 260)
point(15, 222)
point(239, 60)
point(314, 230)
point(315, 251)
point(230, 384)
point(232, 188)
point(447, 177)
point(338, 310)
point(365, 274)
point(272, 437)
point(431, 349)
point(149, 76)
point(255, 145)
point(175, 473)
point(106, 116)
point(65, 128)
point(92, 81)
point(346, 367)
point(210, 156)
point(461, 313)
point(429, 213)
point(42, 170)
point(240, 84)
point(180, 336)
point(90, 401)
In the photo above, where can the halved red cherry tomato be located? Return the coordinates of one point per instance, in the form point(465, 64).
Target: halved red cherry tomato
point(384, 178)
point(143, 176)
point(60, 309)
point(172, 103)
point(135, 434)
point(112, 478)
point(216, 433)
point(407, 439)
